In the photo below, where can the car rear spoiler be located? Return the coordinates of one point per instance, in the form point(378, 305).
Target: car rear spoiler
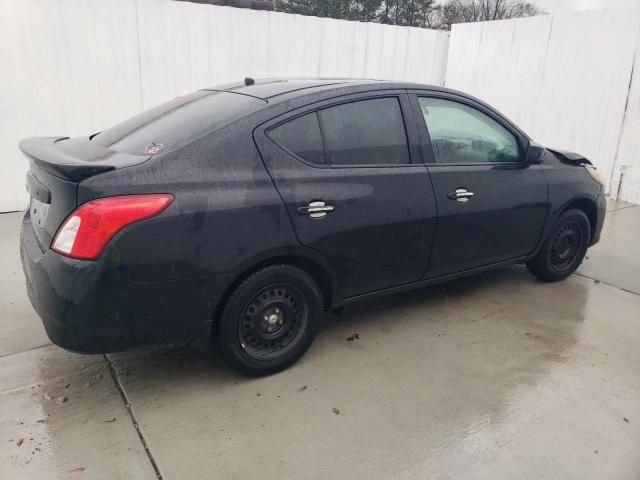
point(74, 158)
point(570, 157)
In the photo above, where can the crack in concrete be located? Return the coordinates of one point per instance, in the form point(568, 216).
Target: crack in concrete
point(27, 350)
point(613, 210)
point(579, 274)
point(132, 416)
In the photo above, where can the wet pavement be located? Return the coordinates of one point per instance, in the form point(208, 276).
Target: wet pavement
point(495, 376)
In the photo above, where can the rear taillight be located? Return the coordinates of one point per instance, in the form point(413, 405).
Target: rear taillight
point(86, 232)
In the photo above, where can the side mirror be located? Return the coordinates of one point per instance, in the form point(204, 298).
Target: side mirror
point(535, 152)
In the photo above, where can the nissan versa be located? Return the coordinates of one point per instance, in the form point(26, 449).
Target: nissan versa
point(236, 215)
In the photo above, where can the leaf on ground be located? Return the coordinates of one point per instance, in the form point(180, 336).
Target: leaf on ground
point(20, 442)
point(77, 470)
point(303, 388)
point(335, 410)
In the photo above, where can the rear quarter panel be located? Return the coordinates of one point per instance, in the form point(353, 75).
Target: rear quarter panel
point(226, 216)
point(226, 209)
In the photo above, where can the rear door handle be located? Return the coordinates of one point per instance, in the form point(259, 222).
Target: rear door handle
point(461, 195)
point(317, 209)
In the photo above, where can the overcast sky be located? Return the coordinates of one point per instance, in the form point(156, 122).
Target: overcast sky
point(559, 6)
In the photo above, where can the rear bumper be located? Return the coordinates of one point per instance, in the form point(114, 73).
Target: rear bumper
point(93, 307)
point(601, 205)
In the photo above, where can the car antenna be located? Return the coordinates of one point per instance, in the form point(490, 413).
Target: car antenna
point(249, 81)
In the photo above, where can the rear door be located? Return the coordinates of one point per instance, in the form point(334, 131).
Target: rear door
point(491, 203)
point(352, 178)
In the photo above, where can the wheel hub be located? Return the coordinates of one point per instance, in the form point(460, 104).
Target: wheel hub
point(272, 320)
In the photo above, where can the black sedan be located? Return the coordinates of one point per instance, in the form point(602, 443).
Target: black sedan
point(236, 215)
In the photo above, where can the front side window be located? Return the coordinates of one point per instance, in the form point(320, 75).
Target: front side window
point(461, 134)
point(366, 132)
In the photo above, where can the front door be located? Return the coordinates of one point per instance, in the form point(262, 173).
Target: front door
point(355, 187)
point(491, 204)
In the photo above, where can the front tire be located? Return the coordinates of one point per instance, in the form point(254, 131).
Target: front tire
point(564, 248)
point(270, 320)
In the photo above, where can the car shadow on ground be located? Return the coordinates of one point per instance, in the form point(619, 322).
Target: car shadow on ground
point(484, 310)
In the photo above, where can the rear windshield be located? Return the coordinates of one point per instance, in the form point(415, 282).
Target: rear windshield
point(176, 123)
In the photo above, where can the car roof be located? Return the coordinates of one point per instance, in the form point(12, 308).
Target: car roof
point(277, 90)
point(269, 88)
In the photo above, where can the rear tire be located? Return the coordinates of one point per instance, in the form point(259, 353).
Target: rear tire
point(564, 248)
point(270, 320)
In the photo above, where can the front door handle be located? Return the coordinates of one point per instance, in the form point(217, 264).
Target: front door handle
point(461, 195)
point(317, 209)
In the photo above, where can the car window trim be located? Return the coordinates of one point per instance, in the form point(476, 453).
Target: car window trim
point(369, 95)
point(430, 154)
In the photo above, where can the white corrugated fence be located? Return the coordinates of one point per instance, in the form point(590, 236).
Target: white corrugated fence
point(567, 80)
point(73, 67)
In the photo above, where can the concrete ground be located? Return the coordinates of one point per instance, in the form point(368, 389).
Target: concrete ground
point(496, 376)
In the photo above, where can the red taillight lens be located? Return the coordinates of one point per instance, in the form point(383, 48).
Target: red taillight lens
point(86, 232)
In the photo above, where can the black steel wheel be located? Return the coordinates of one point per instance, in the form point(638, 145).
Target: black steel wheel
point(565, 245)
point(564, 248)
point(273, 321)
point(270, 320)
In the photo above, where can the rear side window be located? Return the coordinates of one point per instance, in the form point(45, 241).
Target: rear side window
point(176, 123)
point(367, 132)
point(302, 137)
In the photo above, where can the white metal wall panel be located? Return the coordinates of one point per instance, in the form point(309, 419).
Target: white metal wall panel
point(527, 54)
point(584, 89)
point(425, 44)
point(462, 64)
point(501, 62)
point(343, 47)
point(186, 46)
point(564, 79)
point(628, 158)
point(384, 53)
point(77, 66)
point(74, 67)
point(287, 58)
point(69, 68)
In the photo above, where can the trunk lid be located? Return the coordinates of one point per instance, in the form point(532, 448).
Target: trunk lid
point(57, 165)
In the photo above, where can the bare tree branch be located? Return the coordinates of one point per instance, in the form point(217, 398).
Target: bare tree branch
point(413, 13)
